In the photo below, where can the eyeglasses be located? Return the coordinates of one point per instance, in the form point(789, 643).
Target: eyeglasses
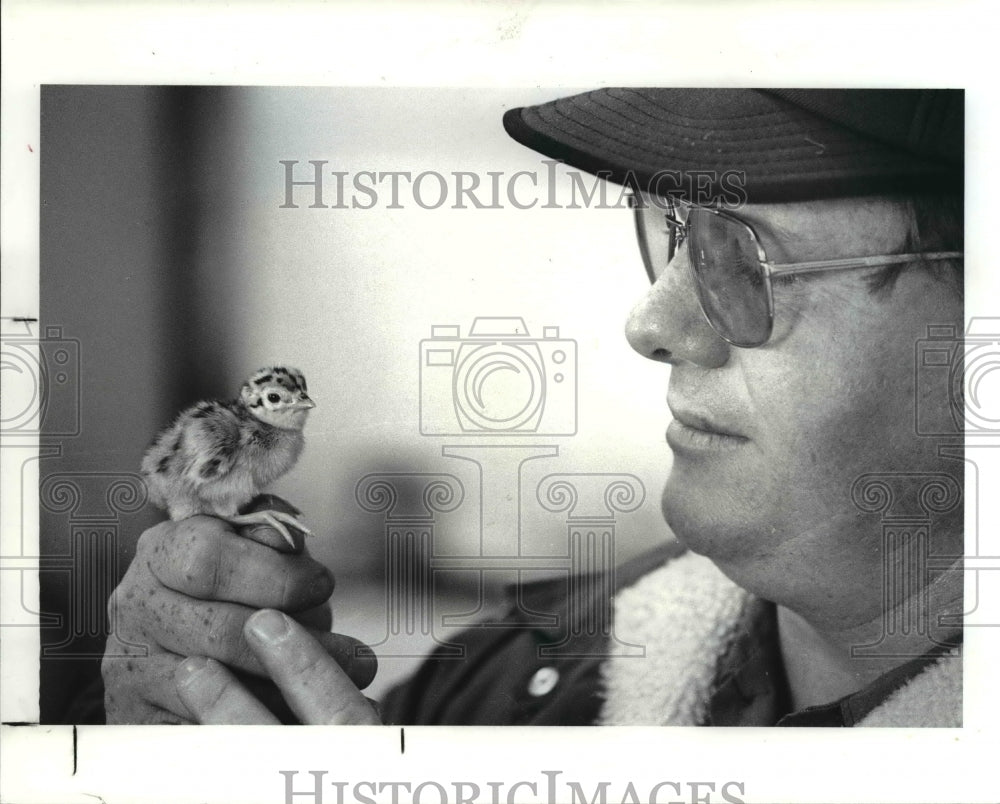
point(732, 274)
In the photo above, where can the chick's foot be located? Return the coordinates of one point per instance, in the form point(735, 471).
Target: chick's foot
point(275, 519)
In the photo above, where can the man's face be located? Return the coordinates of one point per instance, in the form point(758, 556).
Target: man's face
point(767, 442)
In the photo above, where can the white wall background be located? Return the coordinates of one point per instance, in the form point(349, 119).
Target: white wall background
point(167, 254)
point(348, 294)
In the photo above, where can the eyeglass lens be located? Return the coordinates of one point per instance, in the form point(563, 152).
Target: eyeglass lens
point(731, 284)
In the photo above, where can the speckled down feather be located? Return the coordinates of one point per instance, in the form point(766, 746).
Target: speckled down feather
point(219, 455)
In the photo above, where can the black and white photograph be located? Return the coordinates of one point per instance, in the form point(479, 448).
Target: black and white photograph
point(397, 401)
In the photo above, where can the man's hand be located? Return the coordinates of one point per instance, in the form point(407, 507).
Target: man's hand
point(316, 688)
point(189, 591)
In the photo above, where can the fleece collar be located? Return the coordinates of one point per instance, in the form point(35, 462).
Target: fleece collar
point(687, 613)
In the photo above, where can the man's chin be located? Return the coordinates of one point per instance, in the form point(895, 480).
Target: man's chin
point(700, 524)
point(694, 534)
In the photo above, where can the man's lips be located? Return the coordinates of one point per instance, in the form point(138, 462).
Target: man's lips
point(698, 421)
point(690, 431)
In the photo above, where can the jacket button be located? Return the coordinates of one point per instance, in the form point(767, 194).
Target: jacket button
point(543, 681)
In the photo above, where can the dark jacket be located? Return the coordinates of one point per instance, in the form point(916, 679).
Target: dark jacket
point(517, 674)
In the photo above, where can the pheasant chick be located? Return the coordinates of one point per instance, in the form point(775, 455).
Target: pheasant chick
point(217, 456)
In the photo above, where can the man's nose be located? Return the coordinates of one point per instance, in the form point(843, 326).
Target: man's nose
point(668, 324)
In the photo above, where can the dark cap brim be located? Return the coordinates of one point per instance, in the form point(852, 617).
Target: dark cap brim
point(777, 145)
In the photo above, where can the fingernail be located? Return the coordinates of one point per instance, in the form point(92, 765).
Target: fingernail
point(269, 626)
point(191, 668)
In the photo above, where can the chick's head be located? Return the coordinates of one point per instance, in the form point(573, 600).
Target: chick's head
point(277, 395)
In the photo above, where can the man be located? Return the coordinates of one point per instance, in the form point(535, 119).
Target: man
point(799, 244)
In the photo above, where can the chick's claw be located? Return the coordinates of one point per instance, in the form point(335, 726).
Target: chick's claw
point(274, 519)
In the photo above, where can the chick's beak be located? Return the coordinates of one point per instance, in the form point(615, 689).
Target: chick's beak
point(304, 403)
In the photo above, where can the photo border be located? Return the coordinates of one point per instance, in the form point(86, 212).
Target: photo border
point(493, 44)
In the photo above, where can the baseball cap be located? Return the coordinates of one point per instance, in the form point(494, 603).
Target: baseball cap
point(778, 144)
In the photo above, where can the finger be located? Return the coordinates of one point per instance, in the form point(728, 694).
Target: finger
point(163, 717)
point(313, 684)
point(267, 692)
point(128, 679)
point(203, 558)
point(190, 627)
point(215, 697)
point(319, 618)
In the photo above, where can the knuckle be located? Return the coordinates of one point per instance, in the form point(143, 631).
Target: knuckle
point(147, 540)
point(199, 565)
point(151, 540)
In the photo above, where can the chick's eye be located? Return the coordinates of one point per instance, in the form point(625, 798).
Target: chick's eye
point(273, 398)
